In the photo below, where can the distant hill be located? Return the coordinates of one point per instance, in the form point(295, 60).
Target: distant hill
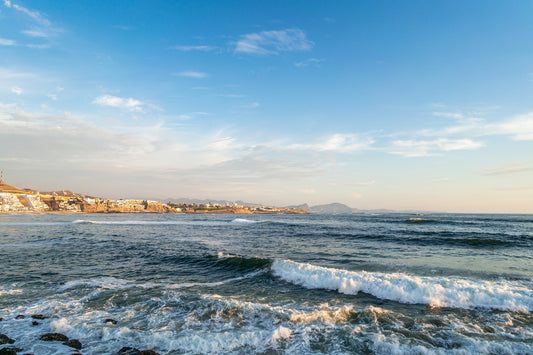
point(304, 207)
point(332, 208)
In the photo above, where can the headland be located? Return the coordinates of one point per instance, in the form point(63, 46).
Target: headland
point(16, 200)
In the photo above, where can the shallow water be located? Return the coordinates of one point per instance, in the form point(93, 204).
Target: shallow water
point(307, 284)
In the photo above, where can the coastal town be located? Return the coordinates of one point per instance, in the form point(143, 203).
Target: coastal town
point(16, 200)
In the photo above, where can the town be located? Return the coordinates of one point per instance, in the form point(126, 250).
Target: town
point(15, 200)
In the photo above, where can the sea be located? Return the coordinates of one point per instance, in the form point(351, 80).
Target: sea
point(268, 284)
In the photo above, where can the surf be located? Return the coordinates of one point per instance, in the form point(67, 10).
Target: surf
point(453, 292)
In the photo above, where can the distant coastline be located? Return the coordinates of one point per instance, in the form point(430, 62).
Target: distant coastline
point(16, 200)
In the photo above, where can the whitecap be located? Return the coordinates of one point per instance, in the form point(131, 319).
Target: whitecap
point(453, 292)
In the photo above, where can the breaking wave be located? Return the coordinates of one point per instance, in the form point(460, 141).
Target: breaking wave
point(451, 292)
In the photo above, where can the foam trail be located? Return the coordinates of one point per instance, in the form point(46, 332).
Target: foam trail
point(243, 221)
point(436, 291)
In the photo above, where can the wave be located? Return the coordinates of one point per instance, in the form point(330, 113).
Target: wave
point(240, 262)
point(451, 292)
point(244, 221)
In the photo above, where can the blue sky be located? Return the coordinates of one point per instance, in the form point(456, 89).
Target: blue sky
point(375, 104)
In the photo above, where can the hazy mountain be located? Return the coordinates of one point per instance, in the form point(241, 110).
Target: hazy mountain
point(332, 208)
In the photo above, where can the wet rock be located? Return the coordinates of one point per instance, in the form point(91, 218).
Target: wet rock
point(2, 319)
point(4, 339)
point(128, 351)
point(148, 352)
point(9, 351)
point(20, 316)
point(38, 316)
point(54, 337)
point(34, 323)
point(110, 320)
point(73, 343)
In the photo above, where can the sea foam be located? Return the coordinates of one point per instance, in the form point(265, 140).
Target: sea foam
point(452, 292)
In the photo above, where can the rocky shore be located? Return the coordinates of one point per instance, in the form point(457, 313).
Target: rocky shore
point(9, 346)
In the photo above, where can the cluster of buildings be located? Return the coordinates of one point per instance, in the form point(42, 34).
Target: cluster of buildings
point(15, 200)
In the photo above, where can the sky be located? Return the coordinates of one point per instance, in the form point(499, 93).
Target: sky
point(405, 105)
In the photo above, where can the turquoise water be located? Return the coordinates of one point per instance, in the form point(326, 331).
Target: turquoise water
point(270, 284)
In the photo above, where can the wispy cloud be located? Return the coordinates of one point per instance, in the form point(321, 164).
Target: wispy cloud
point(252, 105)
point(340, 143)
point(35, 15)
point(273, 42)
point(420, 148)
point(201, 48)
point(7, 42)
point(16, 90)
point(35, 33)
point(509, 169)
point(38, 46)
point(129, 104)
point(311, 61)
point(449, 115)
point(192, 74)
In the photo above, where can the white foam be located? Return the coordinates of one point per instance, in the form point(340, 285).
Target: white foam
point(436, 291)
point(281, 333)
point(244, 221)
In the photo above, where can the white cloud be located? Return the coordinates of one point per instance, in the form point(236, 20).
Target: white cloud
point(311, 61)
point(52, 96)
point(273, 42)
point(194, 48)
point(192, 74)
point(340, 143)
point(34, 33)
point(420, 148)
point(16, 90)
point(129, 104)
point(7, 42)
point(35, 15)
point(449, 115)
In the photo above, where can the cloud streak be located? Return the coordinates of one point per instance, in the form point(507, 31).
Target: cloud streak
point(273, 42)
point(192, 74)
point(35, 15)
point(128, 104)
point(194, 48)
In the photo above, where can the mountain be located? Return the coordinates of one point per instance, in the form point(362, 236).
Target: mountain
point(332, 208)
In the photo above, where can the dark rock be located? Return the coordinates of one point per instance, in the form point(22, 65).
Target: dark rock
point(54, 337)
point(38, 316)
point(73, 343)
point(1, 319)
point(20, 316)
point(128, 351)
point(9, 351)
point(148, 352)
point(34, 323)
point(110, 320)
point(4, 339)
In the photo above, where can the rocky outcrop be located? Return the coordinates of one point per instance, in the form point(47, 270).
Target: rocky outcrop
point(4, 339)
point(73, 343)
point(54, 337)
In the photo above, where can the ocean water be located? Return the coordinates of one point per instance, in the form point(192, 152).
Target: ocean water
point(269, 284)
